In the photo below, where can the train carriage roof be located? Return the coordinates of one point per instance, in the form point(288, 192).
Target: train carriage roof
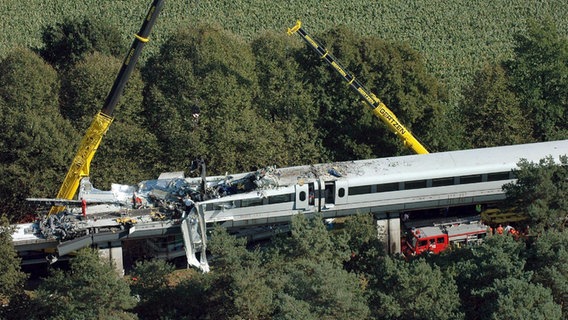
point(427, 166)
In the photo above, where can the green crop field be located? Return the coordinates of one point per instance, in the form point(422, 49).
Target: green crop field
point(455, 37)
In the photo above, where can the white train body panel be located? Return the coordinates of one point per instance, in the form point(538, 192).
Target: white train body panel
point(381, 185)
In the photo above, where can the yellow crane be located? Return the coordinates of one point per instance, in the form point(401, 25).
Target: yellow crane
point(82, 161)
point(378, 107)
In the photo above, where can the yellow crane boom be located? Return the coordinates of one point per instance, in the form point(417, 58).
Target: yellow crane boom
point(378, 107)
point(91, 140)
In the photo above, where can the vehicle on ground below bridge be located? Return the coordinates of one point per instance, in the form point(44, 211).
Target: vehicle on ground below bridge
point(441, 235)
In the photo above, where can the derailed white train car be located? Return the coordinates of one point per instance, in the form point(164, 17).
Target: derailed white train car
point(380, 185)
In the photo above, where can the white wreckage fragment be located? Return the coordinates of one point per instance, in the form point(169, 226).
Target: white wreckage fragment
point(194, 239)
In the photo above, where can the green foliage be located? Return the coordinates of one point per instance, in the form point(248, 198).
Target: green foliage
point(253, 297)
point(548, 259)
point(27, 82)
point(478, 268)
point(456, 38)
point(11, 277)
point(283, 95)
point(149, 283)
point(309, 239)
point(211, 68)
point(513, 298)
point(361, 229)
point(317, 289)
point(231, 251)
point(284, 99)
point(274, 283)
point(128, 154)
point(413, 290)
point(33, 129)
point(69, 41)
point(240, 278)
point(207, 67)
point(492, 114)
point(289, 308)
point(91, 289)
point(86, 84)
point(19, 307)
point(540, 77)
point(364, 246)
point(540, 193)
point(307, 276)
point(150, 276)
point(191, 299)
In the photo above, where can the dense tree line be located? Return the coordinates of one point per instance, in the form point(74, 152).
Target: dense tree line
point(521, 99)
point(272, 101)
point(455, 38)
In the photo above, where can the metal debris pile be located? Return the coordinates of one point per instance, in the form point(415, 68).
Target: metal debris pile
point(61, 227)
point(171, 196)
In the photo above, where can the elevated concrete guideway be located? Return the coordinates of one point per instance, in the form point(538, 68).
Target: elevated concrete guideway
point(255, 203)
point(27, 241)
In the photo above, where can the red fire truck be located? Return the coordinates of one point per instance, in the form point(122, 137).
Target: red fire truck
point(437, 237)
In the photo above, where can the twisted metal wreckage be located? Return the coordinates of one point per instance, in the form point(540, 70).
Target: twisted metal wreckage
point(170, 198)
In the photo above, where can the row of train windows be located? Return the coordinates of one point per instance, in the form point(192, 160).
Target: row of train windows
point(280, 198)
point(395, 186)
point(439, 182)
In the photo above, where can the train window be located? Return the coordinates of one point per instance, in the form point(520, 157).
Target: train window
point(440, 240)
point(359, 190)
point(303, 196)
point(251, 202)
point(387, 187)
point(329, 193)
point(312, 195)
point(209, 207)
point(416, 184)
point(280, 198)
point(497, 176)
point(440, 182)
point(422, 243)
point(341, 192)
point(470, 179)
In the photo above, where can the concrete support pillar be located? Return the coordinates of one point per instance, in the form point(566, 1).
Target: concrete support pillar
point(112, 252)
point(381, 222)
point(388, 231)
point(394, 233)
